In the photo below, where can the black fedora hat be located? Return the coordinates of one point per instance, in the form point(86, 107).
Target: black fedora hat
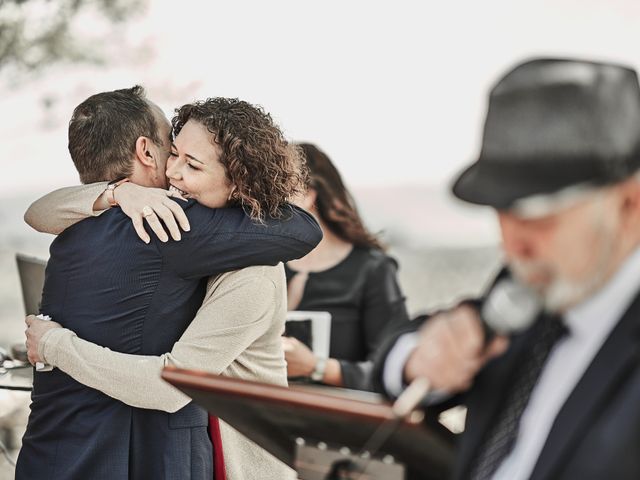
point(553, 124)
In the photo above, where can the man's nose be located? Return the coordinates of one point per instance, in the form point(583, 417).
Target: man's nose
point(516, 241)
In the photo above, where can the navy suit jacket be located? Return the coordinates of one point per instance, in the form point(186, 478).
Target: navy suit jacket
point(596, 434)
point(112, 289)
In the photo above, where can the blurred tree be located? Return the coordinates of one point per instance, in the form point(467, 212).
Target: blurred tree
point(35, 34)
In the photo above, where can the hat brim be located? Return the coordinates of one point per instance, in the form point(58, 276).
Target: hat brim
point(501, 184)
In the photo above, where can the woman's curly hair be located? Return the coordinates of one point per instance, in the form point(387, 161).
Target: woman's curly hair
point(264, 167)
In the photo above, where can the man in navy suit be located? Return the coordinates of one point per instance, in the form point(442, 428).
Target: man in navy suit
point(561, 400)
point(110, 288)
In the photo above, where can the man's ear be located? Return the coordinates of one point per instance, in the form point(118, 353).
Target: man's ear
point(630, 201)
point(144, 152)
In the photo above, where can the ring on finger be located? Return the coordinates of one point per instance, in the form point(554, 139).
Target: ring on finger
point(147, 211)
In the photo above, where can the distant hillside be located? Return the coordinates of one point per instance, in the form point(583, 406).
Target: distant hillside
point(415, 215)
point(411, 215)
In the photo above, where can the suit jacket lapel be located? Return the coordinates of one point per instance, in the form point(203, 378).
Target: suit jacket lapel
point(611, 364)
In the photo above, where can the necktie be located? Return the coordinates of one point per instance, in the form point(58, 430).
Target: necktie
point(501, 437)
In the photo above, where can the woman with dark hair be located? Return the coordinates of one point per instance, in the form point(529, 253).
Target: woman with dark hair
point(226, 153)
point(347, 275)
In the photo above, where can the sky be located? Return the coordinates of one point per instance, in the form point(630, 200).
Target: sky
point(394, 91)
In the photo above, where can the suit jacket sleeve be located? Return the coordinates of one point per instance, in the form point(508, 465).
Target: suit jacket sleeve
point(383, 311)
point(386, 345)
point(232, 316)
point(227, 239)
point(62, 208)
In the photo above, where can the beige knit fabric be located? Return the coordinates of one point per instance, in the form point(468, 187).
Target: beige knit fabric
point(236, 333)
point(60, 209)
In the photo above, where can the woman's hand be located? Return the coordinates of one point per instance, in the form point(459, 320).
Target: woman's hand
point(36, 328)
point(300, 360)
point(152, 204)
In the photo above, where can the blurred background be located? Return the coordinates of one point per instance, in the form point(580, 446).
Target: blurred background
point(394, 92)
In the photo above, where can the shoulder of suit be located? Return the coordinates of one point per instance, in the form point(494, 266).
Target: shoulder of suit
point(195, 208)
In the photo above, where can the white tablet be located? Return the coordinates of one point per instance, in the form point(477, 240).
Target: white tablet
point(311, 328)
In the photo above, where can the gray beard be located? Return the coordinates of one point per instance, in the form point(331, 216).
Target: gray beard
point(562, 294)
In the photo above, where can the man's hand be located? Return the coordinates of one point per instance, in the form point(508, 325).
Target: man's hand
point(152, 204)
point(36, 328)
point(300, 360)
point(451, 350)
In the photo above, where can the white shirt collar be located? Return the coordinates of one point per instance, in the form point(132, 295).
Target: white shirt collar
point(598, 314)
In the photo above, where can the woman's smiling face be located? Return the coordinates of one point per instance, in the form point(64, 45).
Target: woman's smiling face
point(194, 167)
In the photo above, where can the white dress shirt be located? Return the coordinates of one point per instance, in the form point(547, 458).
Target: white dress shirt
point(589, 324)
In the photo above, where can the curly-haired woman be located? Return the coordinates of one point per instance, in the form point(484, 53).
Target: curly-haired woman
point(348, 275)
point(226, 153)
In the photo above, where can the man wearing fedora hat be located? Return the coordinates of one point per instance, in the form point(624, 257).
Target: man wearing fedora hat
point(560, 400)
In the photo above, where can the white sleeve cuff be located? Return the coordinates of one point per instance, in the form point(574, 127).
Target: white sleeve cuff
point(392, 374)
